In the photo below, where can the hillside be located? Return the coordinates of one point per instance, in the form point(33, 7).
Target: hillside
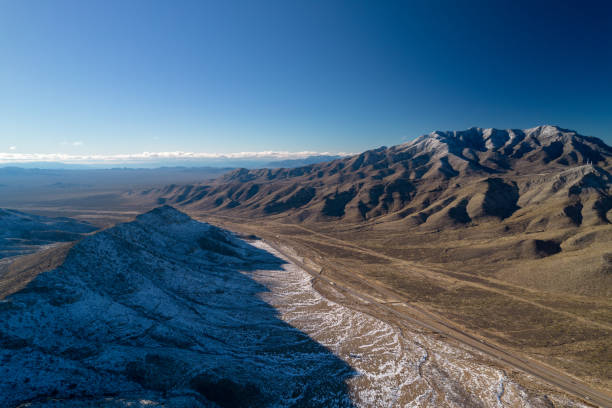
point(168, 311)
point(22, 233)
point(505, 234)
point(444, 178)
point(155, 309)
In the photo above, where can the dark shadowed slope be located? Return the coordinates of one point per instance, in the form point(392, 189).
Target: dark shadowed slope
point(158, 310)
point(22, 233)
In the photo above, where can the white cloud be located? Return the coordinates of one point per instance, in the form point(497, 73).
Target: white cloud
point(13, 148)
point(77, 143)
point(10, 157)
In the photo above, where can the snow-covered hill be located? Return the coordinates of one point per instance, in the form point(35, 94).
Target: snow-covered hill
point(22, 233)
point(157, 309)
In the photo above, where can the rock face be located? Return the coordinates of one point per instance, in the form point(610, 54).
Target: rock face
point(22, 233)
point(159, 309)
point(440, 179)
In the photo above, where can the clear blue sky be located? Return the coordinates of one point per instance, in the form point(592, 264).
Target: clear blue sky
point(109, 77)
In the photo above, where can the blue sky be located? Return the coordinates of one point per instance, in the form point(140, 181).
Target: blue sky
point(119, 77)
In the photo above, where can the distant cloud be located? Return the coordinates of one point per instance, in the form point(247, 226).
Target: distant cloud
point(152, 156)
point(77, 143)
point(13, 148)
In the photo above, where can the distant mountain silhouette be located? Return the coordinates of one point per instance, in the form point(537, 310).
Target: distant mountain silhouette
point(300, 162)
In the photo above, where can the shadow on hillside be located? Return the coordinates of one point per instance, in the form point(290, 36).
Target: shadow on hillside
point(207, 333)
point(285, 348)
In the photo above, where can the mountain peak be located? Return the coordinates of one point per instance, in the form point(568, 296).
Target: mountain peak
point(165, 214)
point(483, 139)
point(549, 128)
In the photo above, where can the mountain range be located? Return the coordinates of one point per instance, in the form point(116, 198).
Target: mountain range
point(440, 179)
point(513, 195)
point(476, 226)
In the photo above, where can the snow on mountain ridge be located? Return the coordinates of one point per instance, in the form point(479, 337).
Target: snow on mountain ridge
point(478, 134)
point(146, 310)
point(166, 214)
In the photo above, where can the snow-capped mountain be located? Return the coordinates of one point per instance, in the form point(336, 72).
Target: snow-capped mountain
point(436, 180)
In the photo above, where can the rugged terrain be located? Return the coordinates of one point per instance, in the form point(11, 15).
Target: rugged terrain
point(496, 198)
point(167, 311)
point(504, 233)
point(438, 180)
point(157, 309)
point(22, 233)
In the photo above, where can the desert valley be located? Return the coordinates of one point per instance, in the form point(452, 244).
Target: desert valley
point(322, 203)
point(467, 268)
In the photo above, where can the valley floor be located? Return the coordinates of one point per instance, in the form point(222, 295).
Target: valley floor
point(395, 366)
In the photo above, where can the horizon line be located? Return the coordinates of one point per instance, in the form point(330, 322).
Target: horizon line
point(14, 157)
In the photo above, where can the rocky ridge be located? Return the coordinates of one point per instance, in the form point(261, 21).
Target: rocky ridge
point(441, 179)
